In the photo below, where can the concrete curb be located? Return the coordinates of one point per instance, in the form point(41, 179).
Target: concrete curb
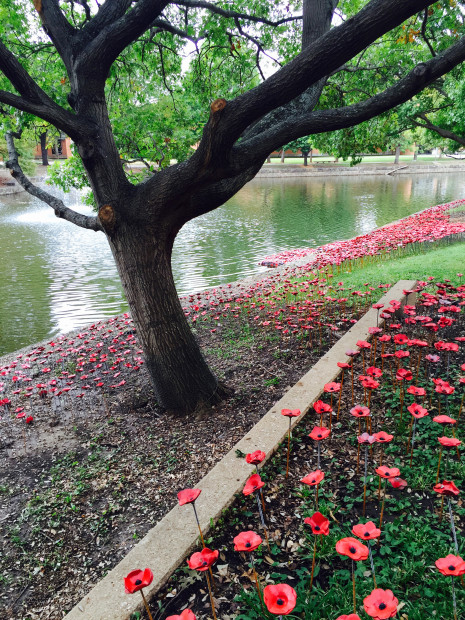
point(167, 545)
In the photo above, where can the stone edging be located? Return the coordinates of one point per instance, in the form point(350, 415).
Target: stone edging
point(167, 545)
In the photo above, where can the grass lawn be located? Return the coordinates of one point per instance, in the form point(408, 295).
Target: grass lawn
point(370, 159)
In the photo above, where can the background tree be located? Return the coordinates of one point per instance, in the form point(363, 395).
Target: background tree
point(74, 63)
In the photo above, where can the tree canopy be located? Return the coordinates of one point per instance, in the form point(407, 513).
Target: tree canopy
point(150, 79)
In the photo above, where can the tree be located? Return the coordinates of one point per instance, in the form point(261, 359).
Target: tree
point(95, 45)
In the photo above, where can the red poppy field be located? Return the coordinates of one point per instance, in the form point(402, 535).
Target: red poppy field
point(369, 520)
point(89, 462)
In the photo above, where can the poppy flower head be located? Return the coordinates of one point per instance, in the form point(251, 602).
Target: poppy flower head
point(290, 413)
point(385, 338)
point(187, 614)
point(366, 531)
point(313, 478)
point(247, 541)
point(255, 458)
point(452, 565)
point(381, 604)
point(446, 487)
point(352, 548)
point(449, 442)
point(332, 388)
point(187, 496)
point(387, 472)
point(253, 484)
point(404, 375)
point(359, 411)
point(280, 599)
point(343, 365)
point(138, 579)
point(366, 438)
point(434, 359)
point(363, 344)
point(369, 383)
point(444, 419)
point(319, 524)
point(321, 407)
point(374, 371)
point(202, 560)
point(319, 432)
point(397, 483)
point(417, 411)
point(383, 437)
point(416, 391)
point(349, 617)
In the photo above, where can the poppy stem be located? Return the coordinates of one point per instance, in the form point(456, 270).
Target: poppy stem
point(263, 522)
point(452, 526)
point(460, 410)
point(365, 481)
point(380, 463)
point(288, 448)
point(353, 588)
point(401, 401)
point(442, 507)
point(198, 524)
point(340, 396)
point(382, 511)
point(146, 606)
point(413, 440)
point(439, 464)
point(409, 435)
point(316, 496)
point(211, 596)
point(372, 563)
point(313, 564)
point(418, 367)
point(261, 493)
point(454, 602)
point(352, 374)
point(319, 454)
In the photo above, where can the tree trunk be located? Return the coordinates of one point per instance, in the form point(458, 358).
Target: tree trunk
point(311, 156)
point(305, 158)
point(268, 159)
point(396, 159)
point(181, 378)
point(43, 148)
point(415, 152)
point(282, 156)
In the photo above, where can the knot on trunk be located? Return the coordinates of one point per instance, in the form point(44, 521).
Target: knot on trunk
point(107, 217)
point(420, 69)
point(218, 105)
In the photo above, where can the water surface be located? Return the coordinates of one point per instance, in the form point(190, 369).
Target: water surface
point(55, 277)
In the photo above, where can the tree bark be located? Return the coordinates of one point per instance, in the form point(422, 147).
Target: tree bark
point(180, 375)
point(415, 152)
point(43, 148)
point(283, 153)
point(396, 159)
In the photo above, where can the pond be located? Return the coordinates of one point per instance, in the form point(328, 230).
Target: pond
point(55, 277)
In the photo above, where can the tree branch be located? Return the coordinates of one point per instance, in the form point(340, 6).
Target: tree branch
point(36, 101)
point(58, 28)
point(423, 33)
point(445, 133)
point(321, 121)
point(61, 210)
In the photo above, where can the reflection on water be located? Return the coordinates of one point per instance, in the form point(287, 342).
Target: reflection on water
point(55, 277)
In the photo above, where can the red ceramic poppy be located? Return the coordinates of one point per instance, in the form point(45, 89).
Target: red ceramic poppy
point(383, 437)
point(313, 478)
point(343, 365)
point(331, 388)
point(417, 411)
point(401, 354)
point(138, 579)
point(319, 432)
point(446, 487)
point(255, 458)
point(202, 560)
point(187, 614)
point(369, 383)
point(363, 344)
point(451, 565)
point(359, 411)
point(349, 617)
point(416, 391)
point(253, 484)
point(280, 599)
point(385, 338)
point(449, 442)
point(321, 407)
point(373, 371)
point(352, 548)
point(381, 604)
point(247, 541)
point(290, 413)
point(187, 496)
point(387, 472)
point(318, 523)
point(366, 531)
point(401, 339)
point(397, 483)
point(404, 375)
point(29, 419)
point(444, 419)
